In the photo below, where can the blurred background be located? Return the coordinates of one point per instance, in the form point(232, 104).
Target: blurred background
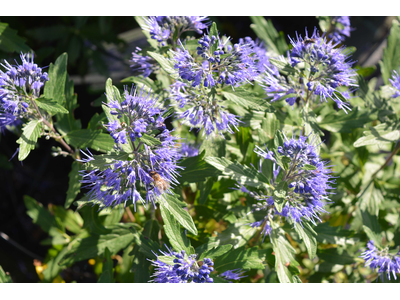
point(99, 48)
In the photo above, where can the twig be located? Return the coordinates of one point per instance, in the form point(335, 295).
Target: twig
point(16, 245)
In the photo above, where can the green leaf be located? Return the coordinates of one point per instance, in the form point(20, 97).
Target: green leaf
point(370, 199)
point(107, 275)
point(213, 147)
point(175, 207)
point(336, 255)
point(140, 266)
point(379, 135)
point(340, 122)
point(149, 140)
point(376, 237)
point(10, 41)
point(74, 184)
point(334, 235)
point(243, 174)
point(87, 138)
point(141, 82)
point(284, 256)
point(283, 66)
point(177, 239)
point(4, 277)
point(366, 71)
point(280, 195)
point(324, 23)
point(146, 245)
point(51, 106)
point(308, 167)
point(70, 219)
point(117, 239)
point(269, 126)
point(240, 258)
point(205, 189)
point(30, 134)
point(41, 216)
point(214, 32)
point(266, 31)
point(103, 161)
point(246, 99)
point(308, 235)
point(166, 64)
point(196, 169)
point(215, 252)
point(55, 87)
point(237, 234)
point(391, 54)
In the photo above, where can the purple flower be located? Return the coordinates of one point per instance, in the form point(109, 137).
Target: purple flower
point(235, 274)
point(185, 269)
point(308, 179)
point(396, 84)
point(188, 150)
point(162, 28)
point(152, 166)
point(202, 110)
point(327, 68)
point(341, 29)
point(17, 84)
point(144, 65)
point(387, 263)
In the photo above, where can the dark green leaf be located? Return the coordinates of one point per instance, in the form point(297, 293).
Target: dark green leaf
point(4, 277)
point(214, 32)
point(55, 87)
point(283, 65)
point(107, 275)
point(74, 184)
point(336, 255)
point(117, 239)
point(246, 99)
point(308, 167)
point(240, 258)
point(334, 235)
point(149, 140)
point(10, 41)
point(215, 252)
point(39, 214)
point(140, 266)
point(30, 134)
point(165, 63)
point(391, 54)
point(51, 106)
point(370, 199)
point(196, 169)
point(243, 174)
point(87, 138)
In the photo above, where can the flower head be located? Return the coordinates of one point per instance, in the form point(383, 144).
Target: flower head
point(235, 274)
point(186, 269)
point(326, 69)
point(307, 178)
point(17, 84)
point(203, 109)
point(162, 28)
point(144, 65)
point(341, 29)
point(152, 162)
point(387, 263)
point(395, 81)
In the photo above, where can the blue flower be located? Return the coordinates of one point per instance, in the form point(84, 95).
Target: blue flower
point(150, 165)
point(162, 28)
point(235, 274)
point(341, 29)
point(186, 269)
point(326, 69)
point(387, 263)
point(308, 179)
point(188, 150)
point(396, 84)
point(144, 65)
point(203, 110)
point(223, 65)
point(17, 84)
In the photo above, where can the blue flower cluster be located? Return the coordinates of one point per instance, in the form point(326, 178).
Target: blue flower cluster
point(203, 110)
point(326, 70)
point(17, 84)
point(188, 150)
point(185, 269)
point(162, 28)
point(386, 262)
point(341, 29)
point(223, 65)
point(151, 165)
point(395, 81)
point(143, 65)
point(308, 179)
point(235, 274)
